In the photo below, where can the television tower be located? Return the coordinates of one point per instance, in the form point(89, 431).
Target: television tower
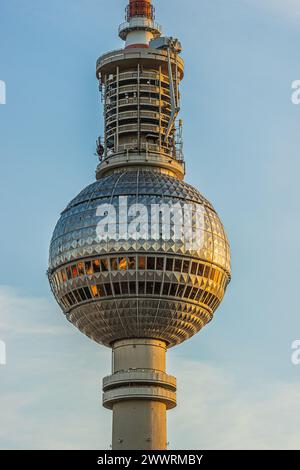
point(132, 282)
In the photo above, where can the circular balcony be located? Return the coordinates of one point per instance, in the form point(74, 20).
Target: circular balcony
point(129, 59)
point(139, 376)
point(139, 393)
point(144, 114)
point(137, 23)
point(144, 100)
point(129, 128)
point(133, 88)
point(149, 155)
point(133, 75)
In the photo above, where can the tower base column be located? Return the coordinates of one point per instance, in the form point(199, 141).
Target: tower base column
point(139, 425)
point(139, 392)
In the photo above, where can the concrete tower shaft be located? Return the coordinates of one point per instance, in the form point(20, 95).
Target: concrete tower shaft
point(139, 392)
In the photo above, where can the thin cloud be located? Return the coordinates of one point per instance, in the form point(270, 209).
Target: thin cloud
point(21, 315)
point(217, 412)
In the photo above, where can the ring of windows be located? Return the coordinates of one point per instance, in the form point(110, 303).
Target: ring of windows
point(140, 289)
point(140, 263)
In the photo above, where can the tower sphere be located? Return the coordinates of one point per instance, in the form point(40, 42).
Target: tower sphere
point(161, 287)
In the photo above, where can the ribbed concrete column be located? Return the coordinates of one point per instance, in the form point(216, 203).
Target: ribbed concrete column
point(139, 392)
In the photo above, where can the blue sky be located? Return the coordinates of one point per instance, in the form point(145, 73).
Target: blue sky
point(237, 385)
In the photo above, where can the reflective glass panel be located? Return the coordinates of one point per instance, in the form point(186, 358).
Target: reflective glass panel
point(108, 289)
point(132, 287)
point(94, 291)
point(178, 265)
point(123, 264)
point(166, 288)
point(194, 268)
point(101, 290)
point(131, 262)
point(160, 264)
point(88, 268)
point(200, 269)
point(142, 262)
point(74, 271)
point(69, 272)
point(104, 265)
point(150, 263)
point(114, 264)
point(124, 288)
point(96, 266)
point(117, 288)
point(186, 266)
point(80, 267)
point(169, 264)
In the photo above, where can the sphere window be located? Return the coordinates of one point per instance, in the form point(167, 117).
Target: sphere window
point(160, 264)
point(131, 262)
point(69, 273)
point(206, 272)
point(200, 269)
point(76, 295)
point(178, 265)
point(186, 266)
point(194, 293)
point(55, 281)
point(66, 301)
point(114, 264)
point(94, 291)
point(74, 271)
point(180, 291)
point(82, 295)
point(166, 288)
point(198, 295)
point(194, 268)
point(173, 289)
point(88, 268)
point(96, 266)
point(124, 288)
point(157, 288)
point(117, 288)
point(101, 291)
point(141, 287)
point(123, 264)
point(187, 291)
point(169, 264)
point(80, 268)
point(149, 288)
point(104, 265)
point(132, 288)
point(59, 279)
point(151, 263)
point(108, 289)
point(71, 298)
point(142, 262)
